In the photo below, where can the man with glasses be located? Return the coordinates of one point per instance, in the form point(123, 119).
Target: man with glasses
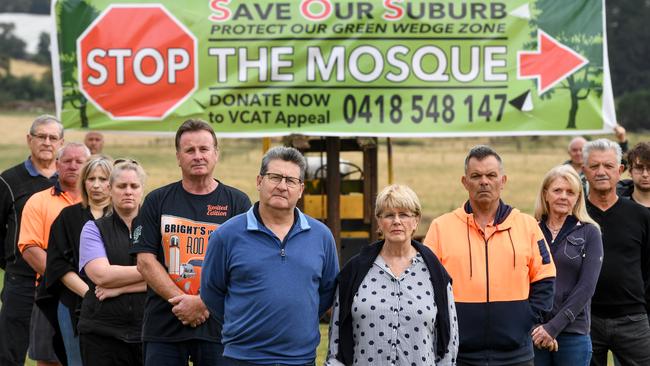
point(170, 238)
point(501, 265)
point(270, 274)
point(619, 320)
point(17, 184)
point(638, 188)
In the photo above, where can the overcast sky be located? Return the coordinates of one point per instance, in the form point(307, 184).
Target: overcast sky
point(28, 27)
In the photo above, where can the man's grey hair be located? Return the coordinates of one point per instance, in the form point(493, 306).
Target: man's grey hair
point(284, 153)
point(69, 145)
point(43, 120)
point(480, 152)
point(601, 145)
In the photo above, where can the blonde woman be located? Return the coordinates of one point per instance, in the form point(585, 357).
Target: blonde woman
point(61, 271)
point(394, 302)
point(577, 249)
point(110, 324)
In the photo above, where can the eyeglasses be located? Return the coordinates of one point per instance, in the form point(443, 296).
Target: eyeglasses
point(119, 161)
point(275, 178)
point(42, 137)
point(391, 216)
point(640, 169)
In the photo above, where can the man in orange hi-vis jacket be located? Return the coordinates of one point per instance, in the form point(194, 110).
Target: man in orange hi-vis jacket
point(502, 270)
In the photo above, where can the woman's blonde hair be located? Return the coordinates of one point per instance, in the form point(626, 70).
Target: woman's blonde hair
point(102, 162)
point(397, 196)
point(122, 165)
point(569, 174)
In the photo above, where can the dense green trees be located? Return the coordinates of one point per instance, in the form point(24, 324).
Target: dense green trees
point(22, 88)
point(628, 33)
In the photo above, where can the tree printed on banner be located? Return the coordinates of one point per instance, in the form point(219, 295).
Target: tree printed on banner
point(577, 25)
point(73, 20)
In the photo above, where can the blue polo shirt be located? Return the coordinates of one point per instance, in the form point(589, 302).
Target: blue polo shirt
point(269, 293)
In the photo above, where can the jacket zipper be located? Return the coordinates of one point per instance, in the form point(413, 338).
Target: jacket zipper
point(487, 271)
point(487, 289)
point(283, 244)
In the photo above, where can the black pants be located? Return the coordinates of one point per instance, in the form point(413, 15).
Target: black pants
point(17, 302)
point(97, 350)
point(628, 337)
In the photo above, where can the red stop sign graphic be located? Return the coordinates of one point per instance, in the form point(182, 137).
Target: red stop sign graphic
point(137, 62)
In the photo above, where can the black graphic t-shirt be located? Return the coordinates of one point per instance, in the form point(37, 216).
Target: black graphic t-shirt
point(175, 225)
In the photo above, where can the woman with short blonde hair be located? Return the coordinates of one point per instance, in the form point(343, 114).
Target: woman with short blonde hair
point(394, 281)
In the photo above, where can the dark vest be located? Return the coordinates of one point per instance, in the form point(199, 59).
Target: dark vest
point(21, 186)
point(119, 317)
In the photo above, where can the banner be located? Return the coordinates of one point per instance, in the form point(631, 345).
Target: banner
point(334, 67)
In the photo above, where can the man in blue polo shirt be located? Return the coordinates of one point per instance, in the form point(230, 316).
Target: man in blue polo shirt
point(269, 274)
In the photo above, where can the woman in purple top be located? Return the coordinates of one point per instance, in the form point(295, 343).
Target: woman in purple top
point(577, 248)
point(111, 313)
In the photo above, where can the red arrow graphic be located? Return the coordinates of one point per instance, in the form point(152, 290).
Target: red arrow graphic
point(550, 64)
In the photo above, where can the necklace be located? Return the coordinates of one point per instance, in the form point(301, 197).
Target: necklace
point(554, 231)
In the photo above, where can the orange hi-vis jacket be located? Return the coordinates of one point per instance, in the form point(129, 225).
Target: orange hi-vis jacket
point(503, 281)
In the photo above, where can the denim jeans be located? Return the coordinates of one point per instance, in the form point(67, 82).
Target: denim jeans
point(232, 362)
point(573, 349)
point(201, 353)
point(70, 341)
point(628, 337)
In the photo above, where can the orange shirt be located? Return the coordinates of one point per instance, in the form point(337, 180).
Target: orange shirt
point(40, 211)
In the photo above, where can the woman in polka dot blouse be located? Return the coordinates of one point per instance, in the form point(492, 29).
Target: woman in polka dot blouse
point(394, 303)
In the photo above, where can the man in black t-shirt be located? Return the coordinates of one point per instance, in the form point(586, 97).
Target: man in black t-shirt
point(17, 184)
point(170, 239)
point(619, 320)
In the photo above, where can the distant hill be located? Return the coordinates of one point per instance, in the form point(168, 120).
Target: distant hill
point(26, 68)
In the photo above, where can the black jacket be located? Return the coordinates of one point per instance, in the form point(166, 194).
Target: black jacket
point(16, 186)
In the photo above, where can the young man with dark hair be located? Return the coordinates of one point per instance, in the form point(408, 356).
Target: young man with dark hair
point(638, 188)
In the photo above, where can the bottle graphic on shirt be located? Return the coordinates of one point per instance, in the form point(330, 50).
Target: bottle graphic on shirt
point(174, 255)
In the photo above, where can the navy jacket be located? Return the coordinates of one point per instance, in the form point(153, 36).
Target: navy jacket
point(578, 255)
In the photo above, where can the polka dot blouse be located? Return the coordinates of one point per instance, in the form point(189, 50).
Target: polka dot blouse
point(393, 319)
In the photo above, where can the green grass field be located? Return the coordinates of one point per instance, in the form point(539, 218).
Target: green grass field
point(432, 167)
